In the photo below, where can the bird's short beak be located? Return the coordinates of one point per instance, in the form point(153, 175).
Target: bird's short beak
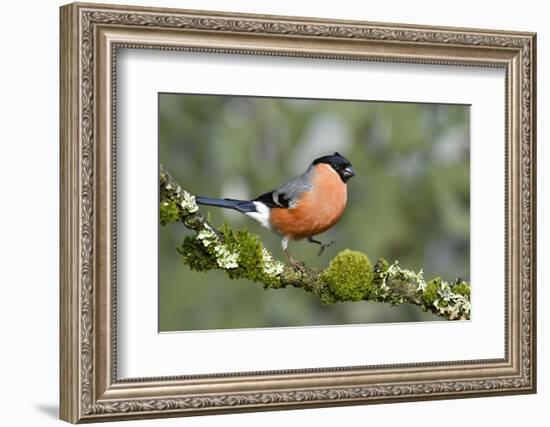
point(348, 173)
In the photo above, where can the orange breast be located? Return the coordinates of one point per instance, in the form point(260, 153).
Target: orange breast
point(317, 210)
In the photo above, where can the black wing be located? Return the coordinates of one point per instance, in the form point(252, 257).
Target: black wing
point(268, 200)
point(288, 194)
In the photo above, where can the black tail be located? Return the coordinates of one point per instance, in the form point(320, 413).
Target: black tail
point(239, 205)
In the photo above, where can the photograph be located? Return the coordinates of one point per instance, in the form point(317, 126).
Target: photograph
point(288, 212)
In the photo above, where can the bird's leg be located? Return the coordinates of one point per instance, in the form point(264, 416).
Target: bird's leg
point(323, 245)
point(296, 265)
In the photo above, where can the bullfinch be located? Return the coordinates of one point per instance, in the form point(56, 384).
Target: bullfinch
point(302, 208)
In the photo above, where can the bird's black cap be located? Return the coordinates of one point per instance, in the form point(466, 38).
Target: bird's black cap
point(339, 163)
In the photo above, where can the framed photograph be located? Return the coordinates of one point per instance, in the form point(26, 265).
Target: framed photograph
point(266, 212)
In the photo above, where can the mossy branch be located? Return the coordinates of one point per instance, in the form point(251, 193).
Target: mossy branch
point(350, 276)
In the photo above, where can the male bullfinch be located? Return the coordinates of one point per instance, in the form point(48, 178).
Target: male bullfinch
point(303, 207)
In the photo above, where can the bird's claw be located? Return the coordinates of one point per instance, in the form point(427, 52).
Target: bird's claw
point(324, 246)
point(298, 266)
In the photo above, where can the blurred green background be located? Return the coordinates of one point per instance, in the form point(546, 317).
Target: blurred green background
point(409, 200)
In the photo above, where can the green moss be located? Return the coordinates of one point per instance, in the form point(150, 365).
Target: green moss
point(312, 281)
point(168, 212)
point(350, 276)
point(430, 293)
point(251, 259)
point(327, 298)
point(462, 288)
point(382, 265)
point(250, 262)
point(195, 255)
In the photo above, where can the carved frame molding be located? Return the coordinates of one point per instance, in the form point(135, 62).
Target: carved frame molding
point(90, 37)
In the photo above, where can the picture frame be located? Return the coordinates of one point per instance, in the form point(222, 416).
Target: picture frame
point(91, 37)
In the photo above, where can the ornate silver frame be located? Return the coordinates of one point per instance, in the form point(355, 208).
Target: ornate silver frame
point(90, 36)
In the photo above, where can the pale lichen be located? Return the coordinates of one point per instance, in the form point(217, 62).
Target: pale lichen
point(176, 203)
point(207, 237)
point(188, 202)
point(272, 267)
point(394, 272)
point(450, 301)
point(451, 304)
point(225, 258)
point(396, 285)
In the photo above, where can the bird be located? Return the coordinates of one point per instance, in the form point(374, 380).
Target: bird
point(303, 207)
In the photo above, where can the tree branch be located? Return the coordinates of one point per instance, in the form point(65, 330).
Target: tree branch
point(349, 276)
